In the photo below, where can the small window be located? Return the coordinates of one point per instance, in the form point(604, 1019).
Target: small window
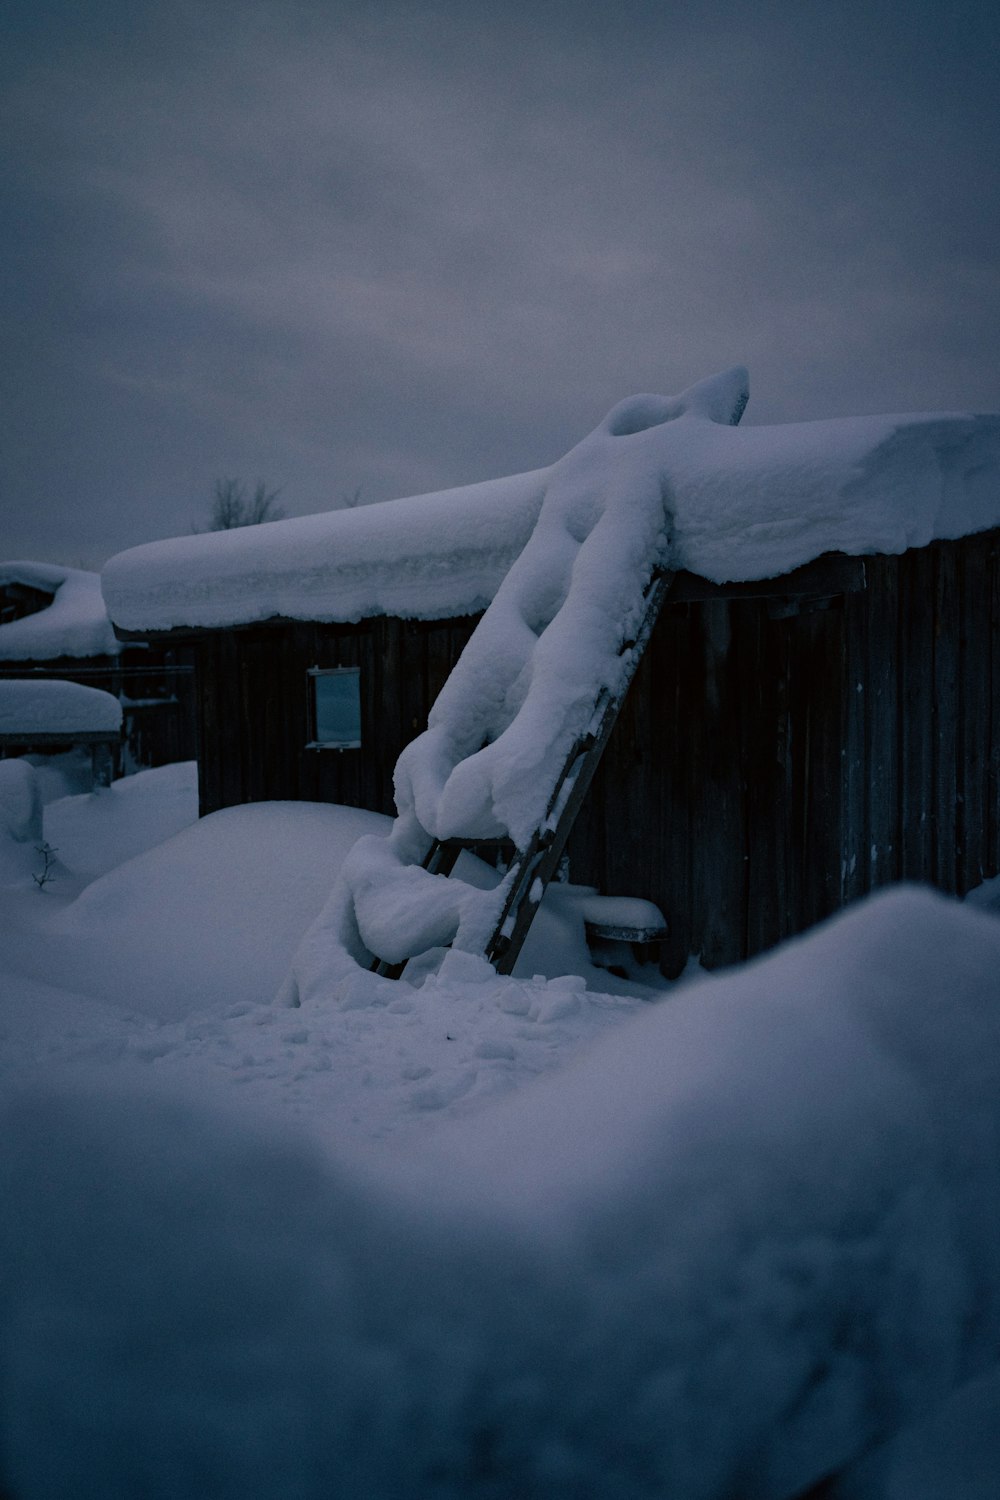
point(335, 708)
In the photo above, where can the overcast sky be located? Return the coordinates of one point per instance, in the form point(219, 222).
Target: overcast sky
point(406, 246)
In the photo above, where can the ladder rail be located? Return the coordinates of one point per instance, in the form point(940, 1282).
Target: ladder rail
point(533, 867)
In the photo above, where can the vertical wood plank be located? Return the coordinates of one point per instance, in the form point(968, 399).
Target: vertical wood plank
point(974, 695)
point(945, 714)
point(917, 672)
point(761, 724)
point(718, 835)
point(883, 721)
point(818, 728)
point(854, 771)
point(993, 767)
point(671, 886)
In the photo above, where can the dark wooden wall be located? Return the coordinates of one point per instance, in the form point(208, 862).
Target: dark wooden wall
point(767, 767)
point(766, 770)
point(253, 707)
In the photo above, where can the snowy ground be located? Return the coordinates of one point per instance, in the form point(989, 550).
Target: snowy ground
point(161, 943)
point(740, 1235)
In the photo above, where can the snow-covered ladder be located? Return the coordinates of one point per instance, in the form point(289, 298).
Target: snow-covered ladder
point(519, 728)
point(529, 869)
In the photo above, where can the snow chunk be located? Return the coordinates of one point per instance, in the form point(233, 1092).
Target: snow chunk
point(48, 706)
point(75, 623)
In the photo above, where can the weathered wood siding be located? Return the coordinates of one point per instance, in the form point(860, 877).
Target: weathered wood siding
point(253, 707)
point(766, 769)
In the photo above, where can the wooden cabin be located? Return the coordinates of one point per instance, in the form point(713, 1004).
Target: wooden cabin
point(54, 627)
point(789, 743)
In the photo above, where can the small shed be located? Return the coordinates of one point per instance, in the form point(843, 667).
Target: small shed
point(44, 716)
point(54, 626)
point(817, 712)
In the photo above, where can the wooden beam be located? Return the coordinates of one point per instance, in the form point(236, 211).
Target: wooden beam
point(827, 577)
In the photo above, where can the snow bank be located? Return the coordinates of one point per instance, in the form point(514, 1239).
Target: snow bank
point(48, 706)
point(744, 1239)
point(212, 916)
point(430, 556)
point(185, 947)
point(95, 834)
point(745, 503)
point(75, 623)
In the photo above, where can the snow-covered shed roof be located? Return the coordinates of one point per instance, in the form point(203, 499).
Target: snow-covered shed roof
point(75, 623)
point(48, 706)
point(743, 502)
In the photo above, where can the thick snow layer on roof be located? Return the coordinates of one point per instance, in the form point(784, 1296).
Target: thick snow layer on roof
point(75, 623)
point(427, 557)
point(745, 503)
point(755, 502)
point(52, 707)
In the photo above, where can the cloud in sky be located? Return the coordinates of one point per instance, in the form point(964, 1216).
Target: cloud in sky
point(398, 247)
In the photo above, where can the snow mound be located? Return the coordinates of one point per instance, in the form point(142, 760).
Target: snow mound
point(210, 917)
point(531, 682)
point(748, 503)
point(94, 834)
point(748, 1237)
point(48, 706)
point(75, 623)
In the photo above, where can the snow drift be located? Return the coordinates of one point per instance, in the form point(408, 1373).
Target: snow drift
point(743, 1241)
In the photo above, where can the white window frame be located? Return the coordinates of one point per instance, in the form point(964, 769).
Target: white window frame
point(314, 742)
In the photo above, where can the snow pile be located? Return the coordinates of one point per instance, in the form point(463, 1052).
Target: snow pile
point(75, 623)
point(209, 918)
point(429, 556)
point(166, 969)
point(48, 706)
point(20, 821)
point(747, 503)
point(530, 683)
point(95, 834)
point(743, 1241)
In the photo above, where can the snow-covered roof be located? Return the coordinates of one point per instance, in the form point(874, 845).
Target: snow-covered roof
point(48, 706)
point(75, 623)
point(426, 557)
point(745, 503)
